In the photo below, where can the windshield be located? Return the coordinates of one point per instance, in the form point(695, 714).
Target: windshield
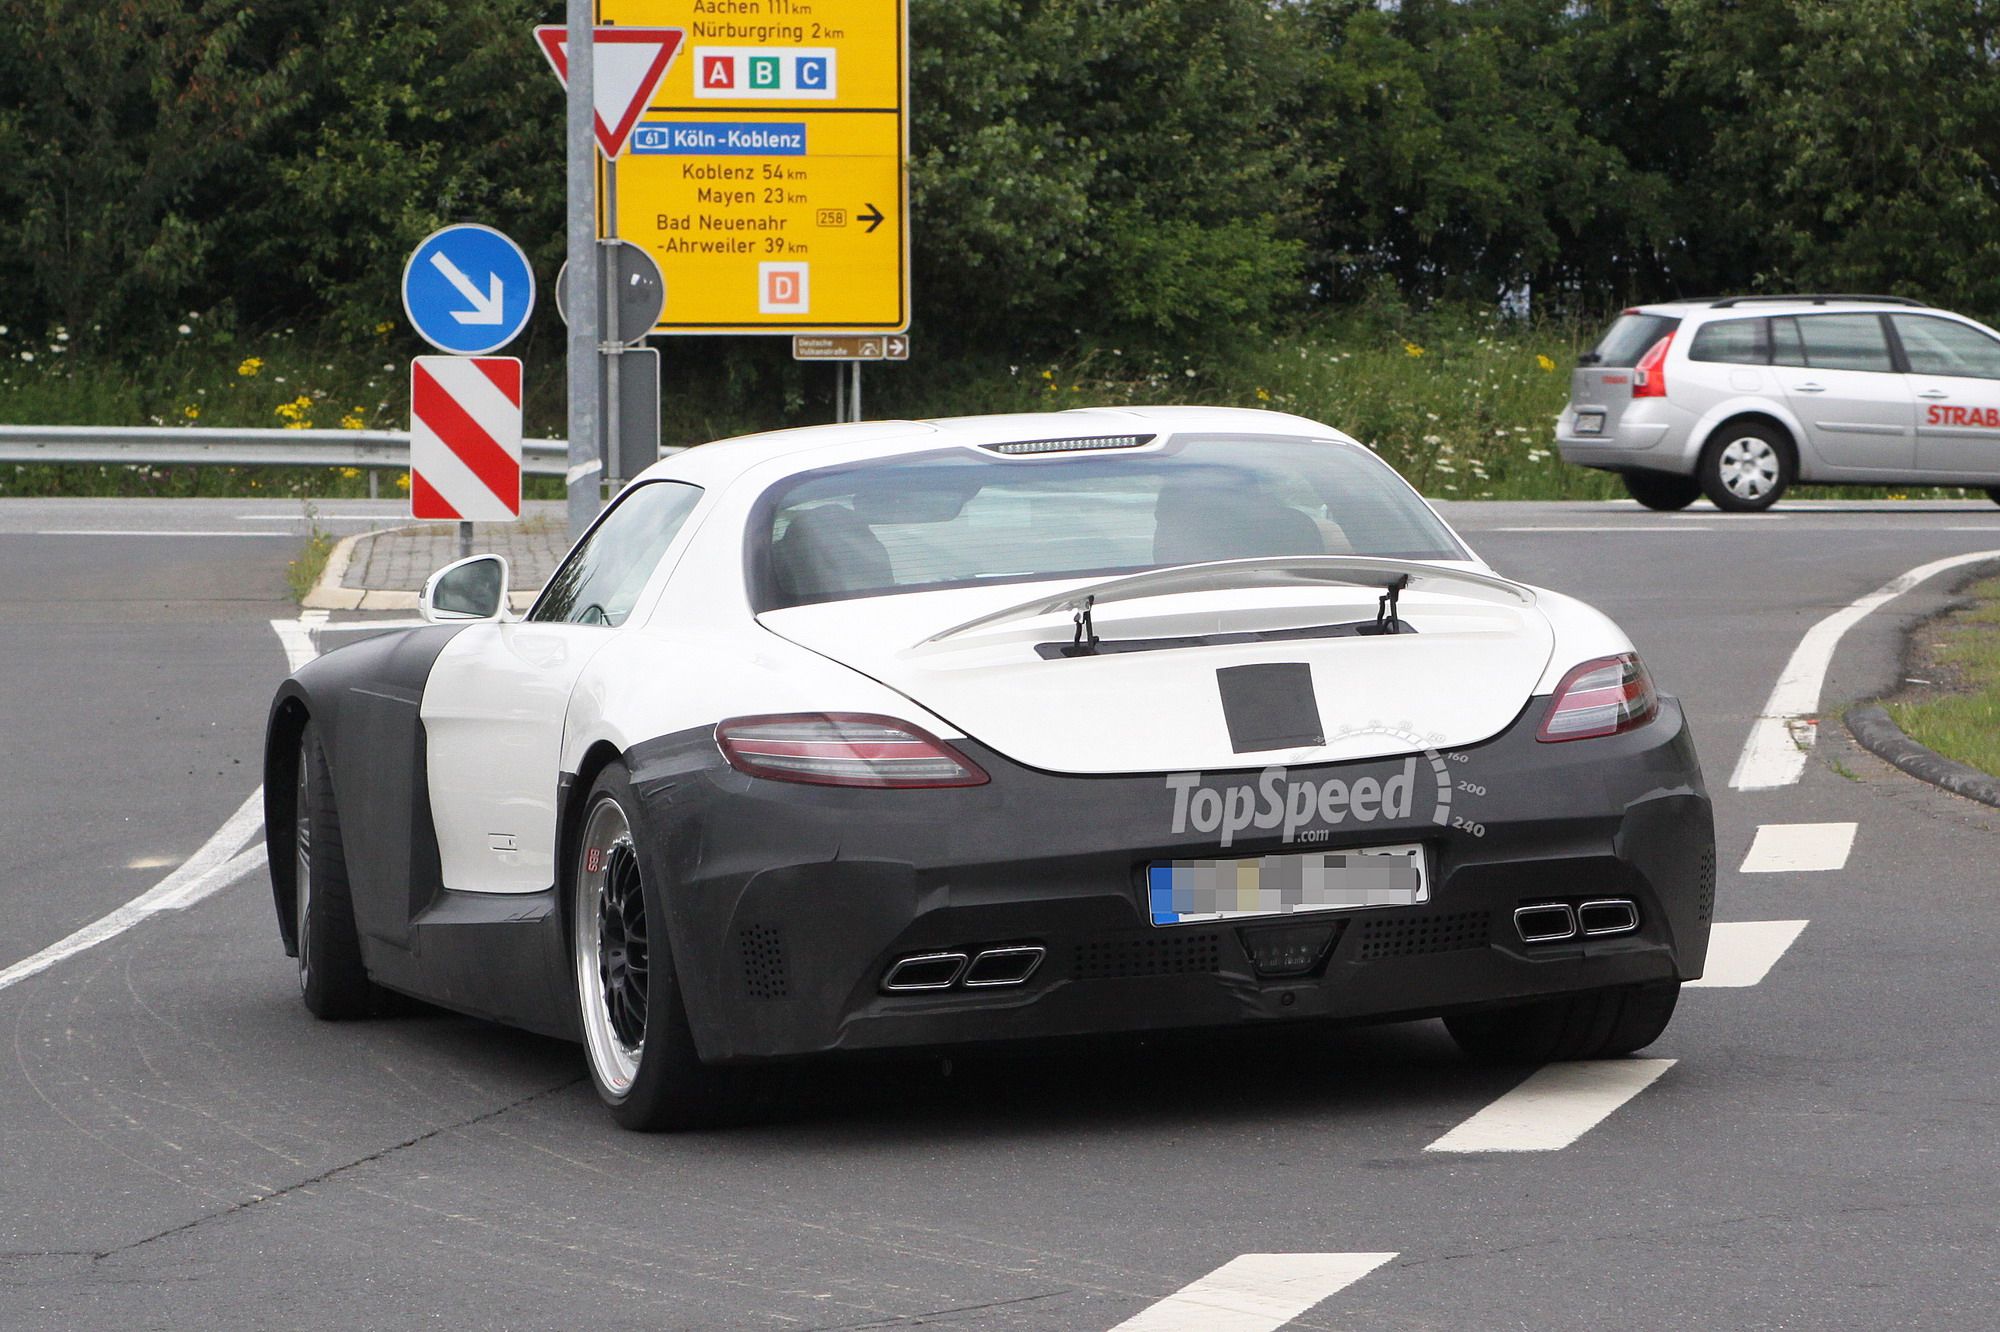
point(964, 517)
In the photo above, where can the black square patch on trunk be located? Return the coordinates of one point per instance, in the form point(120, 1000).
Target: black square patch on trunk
point(1270, 706)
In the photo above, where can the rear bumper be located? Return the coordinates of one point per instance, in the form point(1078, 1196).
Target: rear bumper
point(787, 903)
point(1650, 435)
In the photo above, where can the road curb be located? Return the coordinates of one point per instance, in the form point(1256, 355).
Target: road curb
point(1880, 736)
point(327, 593)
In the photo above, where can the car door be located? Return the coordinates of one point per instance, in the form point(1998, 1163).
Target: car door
point(1841, 381)
point(1955, 375)
point(497, 697)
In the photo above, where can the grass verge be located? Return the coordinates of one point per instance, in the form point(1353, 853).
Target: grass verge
point(1957, 711)
point(1463, 403)
point(302, 574)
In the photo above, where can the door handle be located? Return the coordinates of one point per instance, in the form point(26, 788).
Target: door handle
point(1934, 393)
point(1810, 387)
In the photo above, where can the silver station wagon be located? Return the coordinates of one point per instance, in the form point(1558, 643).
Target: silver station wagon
point(1741, 398)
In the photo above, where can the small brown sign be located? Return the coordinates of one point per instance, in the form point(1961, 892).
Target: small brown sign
point(852, 347)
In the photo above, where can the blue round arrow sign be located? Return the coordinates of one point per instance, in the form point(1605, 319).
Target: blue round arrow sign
point(468, 289)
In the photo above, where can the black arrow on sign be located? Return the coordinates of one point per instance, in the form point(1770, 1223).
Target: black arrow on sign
point(873, 217)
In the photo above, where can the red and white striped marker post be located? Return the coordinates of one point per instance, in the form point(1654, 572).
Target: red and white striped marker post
point(465, 438)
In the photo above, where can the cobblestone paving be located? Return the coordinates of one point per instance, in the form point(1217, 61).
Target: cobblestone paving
point(400, 560)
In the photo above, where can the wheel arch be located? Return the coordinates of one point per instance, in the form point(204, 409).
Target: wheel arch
point(1788, 432)
point(283, 737)
point(598, 756)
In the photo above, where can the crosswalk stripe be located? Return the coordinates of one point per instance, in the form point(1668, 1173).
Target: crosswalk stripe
point(1558, 1104)
point(1781, 848)
point(1742, 952)
point(1256, 1292)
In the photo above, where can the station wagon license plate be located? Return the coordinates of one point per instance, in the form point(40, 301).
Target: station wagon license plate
point(1180, 892)
point(1590, 423)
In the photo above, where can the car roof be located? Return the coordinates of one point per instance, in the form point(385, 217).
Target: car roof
point(1750, 306)
point(726, 459)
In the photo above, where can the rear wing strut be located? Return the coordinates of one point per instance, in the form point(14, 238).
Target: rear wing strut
point(1391, 576)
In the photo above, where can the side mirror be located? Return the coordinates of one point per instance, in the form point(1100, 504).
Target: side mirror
point(471, 589)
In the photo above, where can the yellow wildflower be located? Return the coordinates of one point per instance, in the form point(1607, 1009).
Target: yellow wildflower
point(351, 473)
point(1544, 362)
point(385, 328)
point(354, 420)
point(403, 481)
point(1263, 395)
point(1412, 349)
point(191, 412)
point(251, 367)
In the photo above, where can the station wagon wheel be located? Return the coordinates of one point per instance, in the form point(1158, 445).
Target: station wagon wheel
point(636, 1037)
point(1662, 490)
point(1746, 468)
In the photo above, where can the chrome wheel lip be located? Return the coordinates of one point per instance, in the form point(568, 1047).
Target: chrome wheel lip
point(302, 845)
point(614, 1061)
point(1748, 467)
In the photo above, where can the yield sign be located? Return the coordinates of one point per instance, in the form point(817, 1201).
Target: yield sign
point(629, 64)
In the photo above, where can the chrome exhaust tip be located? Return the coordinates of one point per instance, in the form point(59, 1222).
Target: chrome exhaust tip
point(1004, 966)
point(1607, 915)
point(1545, 922)
point(924, 971)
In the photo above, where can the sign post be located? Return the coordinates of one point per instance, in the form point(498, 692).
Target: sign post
point(580, 236)
point(611, 73)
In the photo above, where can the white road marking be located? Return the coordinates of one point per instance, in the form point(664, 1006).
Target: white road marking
point(145, 532)
point(210, 869)
point(318, 518)
point(1780, 848)
point(1257, 1292)
point(1741, 953)
point(1558, 1104)
point(1775, 752)
point(1618, 527)
point(297, 636)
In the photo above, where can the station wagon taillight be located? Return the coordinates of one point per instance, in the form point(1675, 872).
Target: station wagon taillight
point(1601, 697)
point(1649, 377)
point(843, 749)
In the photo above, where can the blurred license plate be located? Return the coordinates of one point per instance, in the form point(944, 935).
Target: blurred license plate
point(1181, 891)
point(1590, 423)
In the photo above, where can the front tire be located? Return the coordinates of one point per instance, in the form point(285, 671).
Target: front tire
point(1597, 1024)
point(1746, 468)
point(637, 1042)
point(332, 979)
point(1662, 490)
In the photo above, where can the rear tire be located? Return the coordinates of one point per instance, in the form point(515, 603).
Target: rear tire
point(1597, 1024)
point(1662, 490)
point(332, 979)
point(637, 1041)
point(1746, 468)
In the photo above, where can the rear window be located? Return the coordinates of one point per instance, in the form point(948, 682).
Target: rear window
point(1733, 341)
point(1629, 338)
point(964, 518)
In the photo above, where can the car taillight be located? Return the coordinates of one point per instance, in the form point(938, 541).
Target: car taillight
point(843, 749)
point(1600, 697)
point(1649, 377)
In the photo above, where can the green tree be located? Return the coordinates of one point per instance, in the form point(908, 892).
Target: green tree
point(125, 131)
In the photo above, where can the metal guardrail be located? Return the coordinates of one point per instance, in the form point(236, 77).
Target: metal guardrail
point(212, 447)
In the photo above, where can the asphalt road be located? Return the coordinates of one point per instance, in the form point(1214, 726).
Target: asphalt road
point(181, 1144)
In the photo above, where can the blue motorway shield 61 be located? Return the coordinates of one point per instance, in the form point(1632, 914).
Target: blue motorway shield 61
point(468, 289)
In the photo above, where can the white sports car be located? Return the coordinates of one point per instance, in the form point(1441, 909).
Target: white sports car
point(912, 734)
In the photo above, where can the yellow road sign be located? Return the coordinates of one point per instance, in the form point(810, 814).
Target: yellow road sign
point(769, 177)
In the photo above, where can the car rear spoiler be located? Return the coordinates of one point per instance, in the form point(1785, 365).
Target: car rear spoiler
point(1268, 572)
